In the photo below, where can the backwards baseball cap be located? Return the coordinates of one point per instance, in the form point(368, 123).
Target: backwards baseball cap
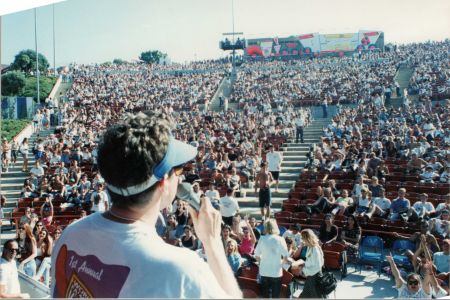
point(177, 154)
point(297, 227)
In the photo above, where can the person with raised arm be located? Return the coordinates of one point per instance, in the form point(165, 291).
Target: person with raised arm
point(141, 163)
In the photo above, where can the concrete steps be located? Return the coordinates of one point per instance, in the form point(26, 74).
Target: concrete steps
point(11, 182)
point(294, 160)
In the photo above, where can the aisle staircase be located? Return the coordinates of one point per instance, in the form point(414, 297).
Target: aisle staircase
point(294, 159)
point(11, 182)
point(403, 76)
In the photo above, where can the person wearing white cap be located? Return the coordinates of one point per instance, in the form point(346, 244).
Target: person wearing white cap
point(118, 253)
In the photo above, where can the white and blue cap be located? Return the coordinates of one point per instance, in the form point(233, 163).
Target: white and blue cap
point(178, 153)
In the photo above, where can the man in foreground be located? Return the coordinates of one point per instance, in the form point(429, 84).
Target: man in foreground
point(9, 278)
point(118, 253)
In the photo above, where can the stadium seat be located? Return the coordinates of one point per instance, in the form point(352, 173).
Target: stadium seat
point(398, 249)
point(249, 271)
point(334, 254)
point(250, 286)
point(371, 252)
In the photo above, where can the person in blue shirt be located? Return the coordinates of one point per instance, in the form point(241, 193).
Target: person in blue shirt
point(400, 207)
point(233, 256)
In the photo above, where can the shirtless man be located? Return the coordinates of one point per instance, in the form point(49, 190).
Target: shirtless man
point(263, 181)
point(416, 164)
point(6, 154)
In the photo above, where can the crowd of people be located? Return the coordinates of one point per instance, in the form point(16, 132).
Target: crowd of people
point(233, 146)
point(431, 78)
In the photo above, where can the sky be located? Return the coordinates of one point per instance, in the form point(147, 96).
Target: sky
point(95, 31)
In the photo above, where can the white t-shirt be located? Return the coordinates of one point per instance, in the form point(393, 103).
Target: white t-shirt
point(441, 206)
point(37, 171)
point(101, 205)
point(271, 248)
point(383, 203)
point(419, 205)
point(274, 160)
point(297, 238)
point(9, 276)
point(403, 293)
point(364, 202)
point(212, 194)
point(100, 258)
point(228, 206)
point(442, 261)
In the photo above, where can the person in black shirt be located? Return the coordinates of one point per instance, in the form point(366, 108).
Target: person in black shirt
point(192, 176)
point(328, 232)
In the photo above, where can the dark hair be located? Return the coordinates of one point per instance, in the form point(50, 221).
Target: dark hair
point(288, 240)
point(130, 150)
point(6, 246)
point(226, 227)
point(355, 221)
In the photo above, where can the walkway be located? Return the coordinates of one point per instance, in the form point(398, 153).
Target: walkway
point(294, 160)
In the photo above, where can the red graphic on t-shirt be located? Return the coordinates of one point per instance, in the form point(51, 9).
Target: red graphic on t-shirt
point(87, 276)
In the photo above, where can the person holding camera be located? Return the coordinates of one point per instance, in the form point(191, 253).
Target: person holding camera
point(141, 163)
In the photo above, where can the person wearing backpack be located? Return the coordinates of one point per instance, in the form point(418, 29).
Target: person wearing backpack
point(313, 265)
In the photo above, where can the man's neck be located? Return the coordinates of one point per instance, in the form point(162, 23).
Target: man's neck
point(147, 214)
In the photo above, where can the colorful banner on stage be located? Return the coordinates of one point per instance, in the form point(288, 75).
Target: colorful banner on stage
point(315, 43)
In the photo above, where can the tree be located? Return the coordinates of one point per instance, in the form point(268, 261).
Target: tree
point(152, 57)
point(25, 61)
point(45, 87)
point(13, 83)
point(119, 61)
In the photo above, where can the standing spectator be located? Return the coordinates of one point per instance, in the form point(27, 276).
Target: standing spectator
point(14, 150)
point(263, 182)
point(325, 108)
point(9, 278)
point(229, 207)
point(6, 155)
point(299, 125)
point(274, 160)
point(313, 265)
point(2, 204)
point(23, 149)
point(270, 252)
